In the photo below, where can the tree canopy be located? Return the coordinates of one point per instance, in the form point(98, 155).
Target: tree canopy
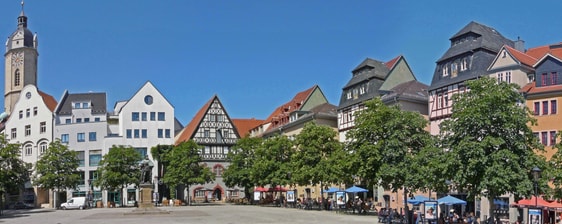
point(119, 168)
point(57, 168)
point(317, 158)
point(489, 143)
point(241, 158)
point(13, 171)
point(272, 164)
point(185, 166)
point(384, 144)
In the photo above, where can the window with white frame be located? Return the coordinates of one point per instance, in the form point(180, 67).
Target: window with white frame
point(135, 116)
point(64, 138)
point(508, 77)
point(14, 133)
point(27, 130)
point(537, 109)
point(42, 127)
point(81, 137)
point(28, 149)
point(43, 147)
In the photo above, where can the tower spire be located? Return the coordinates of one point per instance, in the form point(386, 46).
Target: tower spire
point(22, 19)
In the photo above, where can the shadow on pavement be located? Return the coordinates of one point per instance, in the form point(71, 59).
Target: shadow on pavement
point(11, 214)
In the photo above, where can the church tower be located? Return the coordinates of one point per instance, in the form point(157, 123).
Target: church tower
point(20, 62)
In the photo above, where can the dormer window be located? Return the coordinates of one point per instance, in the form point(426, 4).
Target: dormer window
point(454, 70)
point(464, 64)
point(445, 70)
point(348, 95)
point(81, 105)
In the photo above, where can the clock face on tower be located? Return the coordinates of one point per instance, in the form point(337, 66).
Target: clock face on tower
point(17, 59)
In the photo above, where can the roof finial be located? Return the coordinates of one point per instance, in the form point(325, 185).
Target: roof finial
point(22, 3)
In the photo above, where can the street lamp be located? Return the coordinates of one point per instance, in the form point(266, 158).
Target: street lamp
point(536, 174)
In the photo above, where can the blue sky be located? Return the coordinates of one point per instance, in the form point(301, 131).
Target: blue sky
point(255, 55)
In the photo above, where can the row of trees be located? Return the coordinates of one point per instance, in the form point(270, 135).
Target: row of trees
point(57, 168)
point(486, 148)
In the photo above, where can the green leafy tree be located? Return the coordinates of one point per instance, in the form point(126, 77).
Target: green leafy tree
point(158, 153)
point(385, 143)
point(316, 159)
point(241, 159)
point(118, 168)
point(272, 164)
point(185, 166)
point(430, 165)
point(489, 141)
point(13, 171)
point(57, 168)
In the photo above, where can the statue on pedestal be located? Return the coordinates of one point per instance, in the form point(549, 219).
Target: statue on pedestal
point(146, 170)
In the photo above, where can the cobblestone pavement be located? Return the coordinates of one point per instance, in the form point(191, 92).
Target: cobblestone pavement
point(231, 214)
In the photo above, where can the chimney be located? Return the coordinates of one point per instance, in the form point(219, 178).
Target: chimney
point(519, 45)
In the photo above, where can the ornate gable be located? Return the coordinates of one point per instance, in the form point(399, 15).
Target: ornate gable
point(210, 126)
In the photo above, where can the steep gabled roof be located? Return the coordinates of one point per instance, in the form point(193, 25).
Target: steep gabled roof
point(548, 55)
point(477, 43)
point(520, 56)
point(487, 38)
point(245, 125)
point(390, 64)
point(49, 100)
point(147, 83)
point(368, 69)
point(189, 130)
point(294, 104)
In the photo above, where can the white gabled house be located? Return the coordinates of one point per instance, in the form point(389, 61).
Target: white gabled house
point(31, 125)
point(145, 120)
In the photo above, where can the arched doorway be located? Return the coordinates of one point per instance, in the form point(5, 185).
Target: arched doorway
point(217, 194)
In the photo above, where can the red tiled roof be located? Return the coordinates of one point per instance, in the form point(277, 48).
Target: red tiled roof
point(49, 101)
point(187, 132)
point(527, 87)
point(243, 126)
point(531, 88)
point(392, 62)
point(541, 51)
point(284, 110)
point(521, 57)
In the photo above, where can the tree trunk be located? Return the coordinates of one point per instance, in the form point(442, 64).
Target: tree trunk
point(492, 208)
point(406, 212)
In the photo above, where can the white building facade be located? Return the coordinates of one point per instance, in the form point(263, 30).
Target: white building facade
point(81, 124)
point(144, 121)
point(31, 126)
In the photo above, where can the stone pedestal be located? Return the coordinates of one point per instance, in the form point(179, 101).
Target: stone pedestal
point(145, 203)
point(145, 200)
